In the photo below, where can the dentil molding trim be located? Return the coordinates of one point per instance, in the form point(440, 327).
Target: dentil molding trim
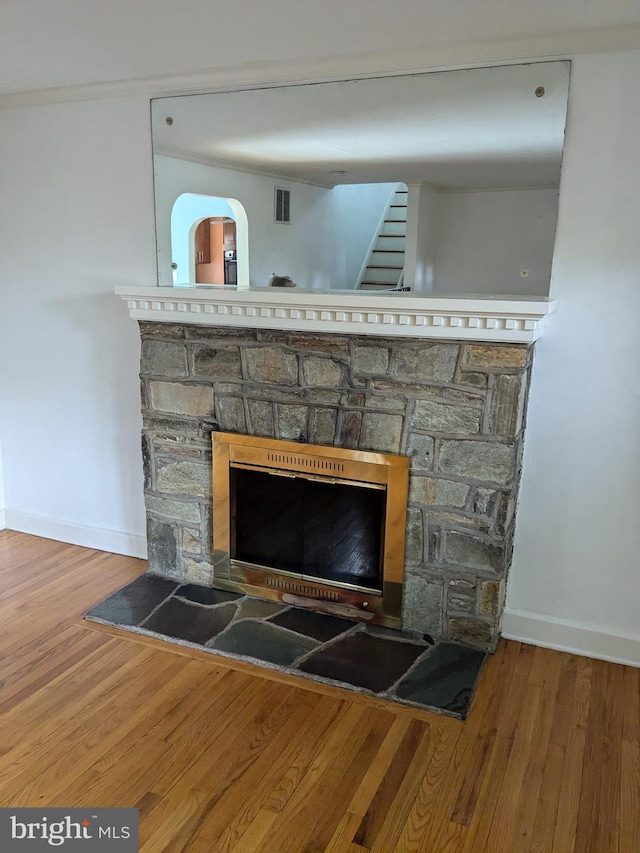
point(510, 320)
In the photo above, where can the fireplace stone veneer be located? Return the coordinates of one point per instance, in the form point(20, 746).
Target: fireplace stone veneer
point(456, 409)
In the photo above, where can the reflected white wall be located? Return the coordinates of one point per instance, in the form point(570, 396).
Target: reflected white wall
point(495, 241)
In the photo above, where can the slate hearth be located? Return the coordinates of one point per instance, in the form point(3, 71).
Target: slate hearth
point(401, 666)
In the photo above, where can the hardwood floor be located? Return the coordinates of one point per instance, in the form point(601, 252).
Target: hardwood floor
point(222, 756)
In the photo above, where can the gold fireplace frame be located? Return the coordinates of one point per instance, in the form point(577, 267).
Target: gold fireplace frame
point(327, 464)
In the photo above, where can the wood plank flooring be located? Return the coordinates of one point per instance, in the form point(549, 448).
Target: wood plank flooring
point(222, 756)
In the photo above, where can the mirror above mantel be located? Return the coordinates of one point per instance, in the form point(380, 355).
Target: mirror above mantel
point(440, 184)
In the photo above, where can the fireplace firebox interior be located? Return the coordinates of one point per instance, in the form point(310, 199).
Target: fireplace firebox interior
point(313, 527)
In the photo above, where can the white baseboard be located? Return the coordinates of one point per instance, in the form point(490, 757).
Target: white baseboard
point(589, 640)
point(76, 534)
point(3, 522)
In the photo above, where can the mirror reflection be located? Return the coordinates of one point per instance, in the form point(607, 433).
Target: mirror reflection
point(440, 183)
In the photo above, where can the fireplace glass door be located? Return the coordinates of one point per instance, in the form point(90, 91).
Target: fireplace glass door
point(309, 526)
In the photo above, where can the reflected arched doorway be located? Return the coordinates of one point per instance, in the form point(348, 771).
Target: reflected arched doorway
point(214, 250)
point(195, 219)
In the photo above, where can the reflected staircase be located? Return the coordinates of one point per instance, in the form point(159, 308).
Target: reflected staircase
point(385, 265)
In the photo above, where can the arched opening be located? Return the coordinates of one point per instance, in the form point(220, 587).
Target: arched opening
point(200, 224)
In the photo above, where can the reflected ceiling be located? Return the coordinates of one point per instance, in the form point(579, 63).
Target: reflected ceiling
point(474, 129)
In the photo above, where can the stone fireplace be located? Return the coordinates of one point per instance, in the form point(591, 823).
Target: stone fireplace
point(454, 407)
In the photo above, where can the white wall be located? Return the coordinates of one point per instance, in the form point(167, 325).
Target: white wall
point(484, 240)
point(423, 211)
point(76, 220)
point(79, 177)
point(575, 580)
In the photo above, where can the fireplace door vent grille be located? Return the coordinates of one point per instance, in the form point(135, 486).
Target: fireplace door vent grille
point(306, 462)
point(299, 589)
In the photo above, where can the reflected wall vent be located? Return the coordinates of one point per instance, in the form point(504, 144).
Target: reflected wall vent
point(282, 205)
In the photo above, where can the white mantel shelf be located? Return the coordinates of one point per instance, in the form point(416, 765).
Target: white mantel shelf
point(512, 320)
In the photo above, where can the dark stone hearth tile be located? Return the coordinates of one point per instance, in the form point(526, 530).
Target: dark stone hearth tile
point(364, 661)
point(206, 594)
point(263, 641)
point(255, 608)
point(133, 603)
point(320, 626)
point(445, 679)
point(182, 621)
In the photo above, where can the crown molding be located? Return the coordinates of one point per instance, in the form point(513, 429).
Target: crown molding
point(506, 319)
point(524, 48)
